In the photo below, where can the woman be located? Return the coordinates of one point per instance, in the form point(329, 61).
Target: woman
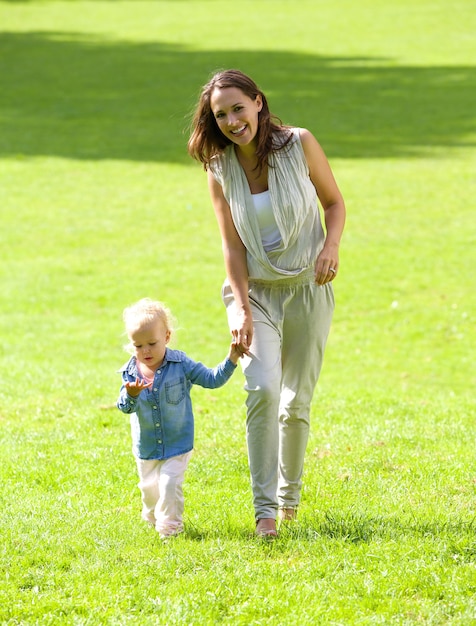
point(265, 180)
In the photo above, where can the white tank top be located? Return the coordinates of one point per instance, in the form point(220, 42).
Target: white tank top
point(270, 235)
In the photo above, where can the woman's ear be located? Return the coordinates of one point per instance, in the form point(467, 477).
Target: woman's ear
point(259, 102)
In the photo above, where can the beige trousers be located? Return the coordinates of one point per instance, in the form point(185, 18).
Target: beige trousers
point(291, 320)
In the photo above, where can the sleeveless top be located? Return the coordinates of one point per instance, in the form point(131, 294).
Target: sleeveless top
point(295, 207)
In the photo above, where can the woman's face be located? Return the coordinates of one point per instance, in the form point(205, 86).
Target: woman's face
point(236, 114)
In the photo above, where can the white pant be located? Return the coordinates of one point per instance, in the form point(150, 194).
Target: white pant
point(160, 483)
point(291, 320)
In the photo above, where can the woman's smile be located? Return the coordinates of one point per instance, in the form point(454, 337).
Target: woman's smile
point(239, 131)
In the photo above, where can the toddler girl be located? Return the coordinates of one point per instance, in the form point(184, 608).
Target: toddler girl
point(156, 383)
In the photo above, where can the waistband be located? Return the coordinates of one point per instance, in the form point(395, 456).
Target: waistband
point(303, 278)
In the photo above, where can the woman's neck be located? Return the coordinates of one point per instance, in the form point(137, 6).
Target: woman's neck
point(247, 152)
point(257, 178)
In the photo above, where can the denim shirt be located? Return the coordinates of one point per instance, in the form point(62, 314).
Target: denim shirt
point(162, 422)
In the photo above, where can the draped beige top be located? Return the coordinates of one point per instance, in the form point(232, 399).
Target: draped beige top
point(295, 207)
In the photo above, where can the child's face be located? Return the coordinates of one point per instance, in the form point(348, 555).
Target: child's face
point(149, 343)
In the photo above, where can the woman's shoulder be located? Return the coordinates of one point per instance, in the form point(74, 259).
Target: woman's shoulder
point(219, 158)
point(287, 140)
point(297, 133)
point(307, 138)
point(290, 135)
point(282, 134)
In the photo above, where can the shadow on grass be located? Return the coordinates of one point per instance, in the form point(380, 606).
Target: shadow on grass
point(69, 95)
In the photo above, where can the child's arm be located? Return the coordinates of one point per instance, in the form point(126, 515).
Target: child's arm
point(199, 374)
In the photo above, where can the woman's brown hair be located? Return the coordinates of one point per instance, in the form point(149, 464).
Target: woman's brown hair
point(207, 140)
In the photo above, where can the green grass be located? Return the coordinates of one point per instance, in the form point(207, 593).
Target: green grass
point(100, 206)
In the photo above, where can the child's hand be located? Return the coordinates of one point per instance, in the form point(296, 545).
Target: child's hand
point(235, 352)
point(134, 389)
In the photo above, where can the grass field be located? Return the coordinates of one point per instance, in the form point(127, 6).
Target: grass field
point(100, 206)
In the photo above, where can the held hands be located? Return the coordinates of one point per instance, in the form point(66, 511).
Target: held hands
point(134, 388)
point(327, 265)
point(235, 353)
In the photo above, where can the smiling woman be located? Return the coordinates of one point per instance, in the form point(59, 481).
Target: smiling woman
point(265, 180)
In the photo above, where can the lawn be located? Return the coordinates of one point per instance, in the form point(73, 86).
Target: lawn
point(100, 205)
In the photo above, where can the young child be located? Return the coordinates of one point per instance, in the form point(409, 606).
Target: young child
point(156, 393)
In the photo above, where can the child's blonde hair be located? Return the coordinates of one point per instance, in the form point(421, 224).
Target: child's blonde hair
point(144, 312)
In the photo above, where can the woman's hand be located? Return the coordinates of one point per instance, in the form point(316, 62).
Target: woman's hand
point(327, 265)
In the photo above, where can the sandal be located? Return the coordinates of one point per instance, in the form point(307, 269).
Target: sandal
point(266, 528)
point(287, 514)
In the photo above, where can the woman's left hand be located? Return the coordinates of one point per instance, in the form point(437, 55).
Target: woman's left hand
point(327, 265)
